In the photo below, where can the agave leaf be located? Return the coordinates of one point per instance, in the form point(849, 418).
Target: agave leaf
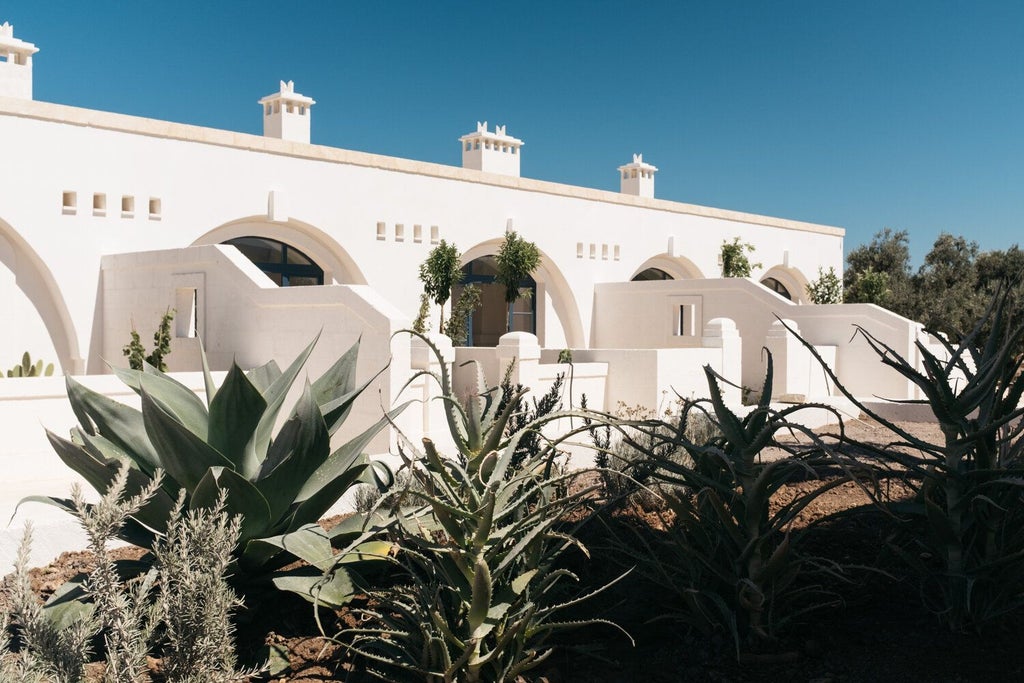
point(309, 543)
point(338, 461)
point(301, 448)
point(243, 499)
point(274, 396)
point(338, 381)
point(101, 472)
point(235, 413)
point(173, 396)
point(120, 424)
point(333, 591)
point(317, 505)
point(264, 376)
point(68, 605)
point(186, 456)
point(211, 386)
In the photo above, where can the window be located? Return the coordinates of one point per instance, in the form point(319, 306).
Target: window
point(155, 207)
point(777, 287)
point(417, 233)
point(616, 253)
point(399, 232)
point(604, 252)
point(651, 274)
point(579, 250)
point(435, 234)
point(186, 306)
point(127, 206)
point(99, 204)
point(69, 203)
point(381, 231)
point(282, 263)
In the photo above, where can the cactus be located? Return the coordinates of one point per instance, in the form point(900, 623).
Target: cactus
point(27, 369)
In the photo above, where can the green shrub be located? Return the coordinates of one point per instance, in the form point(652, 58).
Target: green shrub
point(970, 554)
point(827, 289)
point(280, 484)
point(735, 259)
point(480, 588)
point(136, 352)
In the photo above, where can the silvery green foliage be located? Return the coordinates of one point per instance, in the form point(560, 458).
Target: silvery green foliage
point(481, 588)
point(969, 488)
point(52, 650)
point(280, 484)
point(123, 612)
point(195, 602)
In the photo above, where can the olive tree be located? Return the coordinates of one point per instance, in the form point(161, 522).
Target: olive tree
point(516, 260)
point(440, 273)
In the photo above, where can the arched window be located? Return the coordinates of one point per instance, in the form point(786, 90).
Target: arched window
point(652, 274)
point(491, 320)
point(777, 287)
point(284, 264)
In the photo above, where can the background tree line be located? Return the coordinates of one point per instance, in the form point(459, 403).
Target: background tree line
point(948, 293)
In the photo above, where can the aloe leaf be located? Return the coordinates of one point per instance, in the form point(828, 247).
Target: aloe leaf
point(186, 456)
point(235, 413)
point(242, 499)
point(117, 422)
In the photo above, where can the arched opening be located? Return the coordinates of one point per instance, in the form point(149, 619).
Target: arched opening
point(649, 274)
point(777, 287)
point(31, 296)
point(494, 317)
point(281, 262)
point(665, 267)
point(787, 282)
point(316, 245)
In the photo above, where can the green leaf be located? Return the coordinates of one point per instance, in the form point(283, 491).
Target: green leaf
point(235, 413)
point(274, 396)
point(332, 591)
point(243, 499)
point(301, 448)
point(120, 424)
point(337, 381)
point(309, 543)
point(186, 457)
point(173, 396)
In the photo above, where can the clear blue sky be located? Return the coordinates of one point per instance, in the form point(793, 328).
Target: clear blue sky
point(864, 114)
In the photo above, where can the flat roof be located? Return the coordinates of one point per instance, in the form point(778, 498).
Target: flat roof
point(90, 118)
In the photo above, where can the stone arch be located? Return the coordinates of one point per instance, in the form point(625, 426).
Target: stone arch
point(555, 285)
point(678, 267)
point(34, 278)
point(336, 262)
point(790, 278)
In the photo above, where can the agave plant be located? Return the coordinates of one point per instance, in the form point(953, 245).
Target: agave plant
point(731, 558)
point(280, 484)
point(969, 488)
point(478, 552)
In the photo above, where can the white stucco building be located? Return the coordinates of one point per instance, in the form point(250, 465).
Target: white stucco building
point(260, 243)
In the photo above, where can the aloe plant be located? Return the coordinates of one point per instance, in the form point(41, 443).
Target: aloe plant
point(478, 554)
point(969, 487)
point(280, 484)
point(729, 557)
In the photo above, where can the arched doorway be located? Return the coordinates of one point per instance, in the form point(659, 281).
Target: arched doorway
point(493, 318)
point(281, 262)
point(665, 267)
point(787, 282)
